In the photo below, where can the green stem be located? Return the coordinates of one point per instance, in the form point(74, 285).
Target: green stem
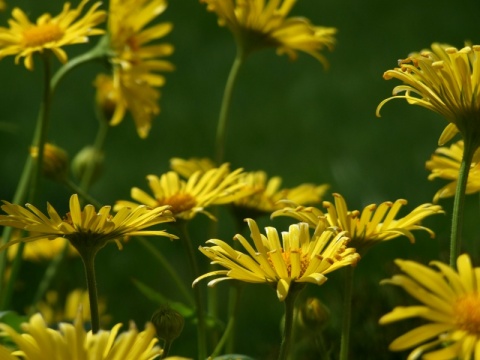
point(88, 259)
point(201, 323)
point(347, 313)
point(289, 302)
point(225, 106)
point(78, 190)
point(168, 267)
point(87, 176)
point(459, 202)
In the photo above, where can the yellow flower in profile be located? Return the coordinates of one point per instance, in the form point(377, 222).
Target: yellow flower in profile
point(24, 38)
point(54, 311)
point(376, 223)
point(444, 80)
point(450, 305)
point(42, 250)
point(445, 164)
point(137, 60)
point(84, 228)
point(188, 197)
point(186, 167)
point(299, 258)
point(267, 194)
point(71, 341)
point(256, 24)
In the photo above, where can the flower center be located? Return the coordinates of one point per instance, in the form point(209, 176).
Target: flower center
point(40, 35)
point(304, 261)
point(467, 313)
point(179, 202)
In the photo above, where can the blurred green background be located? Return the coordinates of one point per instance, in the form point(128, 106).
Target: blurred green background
point(292, 119)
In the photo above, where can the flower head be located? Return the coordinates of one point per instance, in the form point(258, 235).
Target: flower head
point(24, 38)
point(258, 23)
point(445, 164)
point(188, 197)
point(369, 227)
point(137, 61)
point(299, 258)
point(84, 227)
point(449, 302)
point(186, 167)
point(446, 81)
point(71, 341)
point(42, 250)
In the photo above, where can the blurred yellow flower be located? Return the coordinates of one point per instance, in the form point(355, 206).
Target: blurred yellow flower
point(369, 227)
point(186, 167)
point(445, 164)
point(3, 5)
point(71, 341)
point(299, 258)
point(42, 249)
point(24, 38)
point(444, 80)
point(256, 24)
point(136, 60)
point(84, 228)
point(449, 302)
point(188, 197)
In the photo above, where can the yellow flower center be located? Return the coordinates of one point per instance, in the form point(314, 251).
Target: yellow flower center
point(40, 35)
point(179, 203)
point(467, 313)
point(304, 261)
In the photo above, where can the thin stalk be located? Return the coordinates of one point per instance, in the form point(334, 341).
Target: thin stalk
point(168, 267)
point(225, 106)
point(459, 201)
point(88, 259)
point(201, 321)
point(87, 177)
point(83, 194)
point(289, 317)
point(347, 313)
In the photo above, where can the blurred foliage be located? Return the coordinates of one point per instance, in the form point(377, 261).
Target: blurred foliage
point(291, 119)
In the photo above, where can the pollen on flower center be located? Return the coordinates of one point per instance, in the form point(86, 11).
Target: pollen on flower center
point(41, 34)
point(467, 313)
point(179, 203)
point(287, 258)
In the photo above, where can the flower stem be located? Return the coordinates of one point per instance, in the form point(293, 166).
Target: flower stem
point(201, 323)
point(100, 139)
point(459, 202)
point(225, 106)
point(347, 313)
point(289, 301)
point(88, 259)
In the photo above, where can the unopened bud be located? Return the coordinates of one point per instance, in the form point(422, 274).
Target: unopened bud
point(168, 323)
point(313, 314)
point(55, 162)
point(88, 159)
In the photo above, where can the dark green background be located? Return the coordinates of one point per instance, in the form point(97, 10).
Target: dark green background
point(292, 119)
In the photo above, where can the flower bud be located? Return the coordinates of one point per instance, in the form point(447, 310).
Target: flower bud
point(86, 158)
point(106, 96)
point(313, 314)
point(55, 162)
point(168, 323)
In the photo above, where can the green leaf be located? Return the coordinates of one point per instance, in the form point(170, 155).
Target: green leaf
point(158, 298)
point(12, 319)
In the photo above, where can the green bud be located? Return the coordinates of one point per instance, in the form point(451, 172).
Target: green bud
point(55, 162)
point(168, 323)
point(313, 314)
point(86, 159)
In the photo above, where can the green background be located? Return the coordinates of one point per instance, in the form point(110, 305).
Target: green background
point(292, 119)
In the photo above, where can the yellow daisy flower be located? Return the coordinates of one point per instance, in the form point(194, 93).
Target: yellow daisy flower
point(136, 60)
point(445, 164)
point(444, 80)
point(258, 23)
point(42, 250)
point(369, 227)
point(186, 167)
point(300, 258)
point(71, 341)
point(188, 197)
point(449, 302)
point(84, 228)
point(267, 193)
point(24, 38)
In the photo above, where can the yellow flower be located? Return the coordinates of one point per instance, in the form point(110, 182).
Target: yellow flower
point(54, 311)
point(450, 303)
point(300, 258)
point(84, 228)
point(369, 227)
point(136, 60)
point(24, 38)
point(3, 5)
point(188, 197)
point(267, 193)
point(258, 23)
point(445, 164)
point(446, 81)
point(187, 167)
point(42, 250)
point(71, 341)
